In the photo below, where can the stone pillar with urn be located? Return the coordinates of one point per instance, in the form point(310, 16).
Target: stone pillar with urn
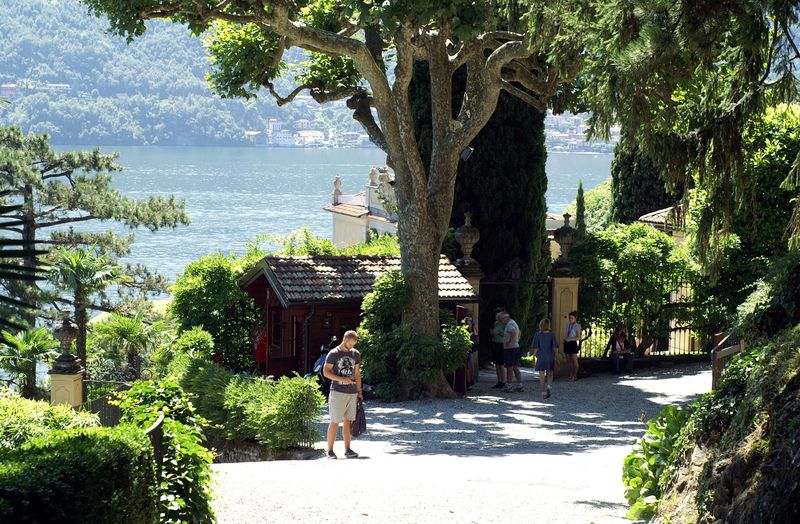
point(565, 286)
point(66, 375)
point(467, 236)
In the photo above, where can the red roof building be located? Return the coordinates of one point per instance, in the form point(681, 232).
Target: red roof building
point(306, 300)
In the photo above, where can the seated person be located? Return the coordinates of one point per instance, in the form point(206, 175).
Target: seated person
point(612, 341)
point(622, 350)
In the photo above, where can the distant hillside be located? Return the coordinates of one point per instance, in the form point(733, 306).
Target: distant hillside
point(67, 77)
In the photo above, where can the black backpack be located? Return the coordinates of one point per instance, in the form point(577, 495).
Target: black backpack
point(360, 423)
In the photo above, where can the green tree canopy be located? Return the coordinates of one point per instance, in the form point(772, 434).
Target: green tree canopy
point(19, 354)
point(628, 273)
point(638, 187)
point(580, 211)
point(686, 78)
point(247, 42)
point(597, 208)
point(83, 273)
point(207, 295)
point(59, 190)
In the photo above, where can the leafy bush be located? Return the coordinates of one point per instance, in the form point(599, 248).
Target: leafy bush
point(598, 206)
point(628, 274)
point(394, 358)
point(83, 475)
point(715, 410)
point(273, 413)
point(207, 295)
point(303, 242)
point(645, 467)
point(774, 305)
point(22, 419)
point(185, 490)
point(206, 382)
point(195, 342)
point(277, 414)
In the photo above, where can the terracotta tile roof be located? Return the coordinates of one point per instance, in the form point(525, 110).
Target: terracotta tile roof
point(345, 278)
point(347, 209)
point(665, 219)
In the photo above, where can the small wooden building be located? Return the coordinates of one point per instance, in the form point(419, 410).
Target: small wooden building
point(306, 300)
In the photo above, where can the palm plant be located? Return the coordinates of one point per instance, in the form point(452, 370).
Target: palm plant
point(83, 273)
point(130, 338)
point(20, 353)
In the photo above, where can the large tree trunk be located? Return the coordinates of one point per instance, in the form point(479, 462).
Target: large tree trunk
point(29, 389)
point(30, 289)
point(421, 230)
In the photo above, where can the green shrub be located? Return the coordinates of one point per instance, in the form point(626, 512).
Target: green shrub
point(278, 414)
point(83, 475)
point(239, 397)
point(22, 419)
point(207, 295)
point(185, 490)
point(245, 407)
point(206, 382)
point(196, 342)
point(715, 410)
point(393, 358)
point(646, 466)
point(774, 305)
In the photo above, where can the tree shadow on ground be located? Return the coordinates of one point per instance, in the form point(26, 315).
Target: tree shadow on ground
point(596, 412)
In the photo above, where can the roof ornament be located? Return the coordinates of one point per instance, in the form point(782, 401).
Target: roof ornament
point(337, 189)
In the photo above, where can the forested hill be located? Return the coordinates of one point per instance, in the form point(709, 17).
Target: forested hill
point(84, 86)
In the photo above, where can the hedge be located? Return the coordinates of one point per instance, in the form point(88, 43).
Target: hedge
point(80, 475)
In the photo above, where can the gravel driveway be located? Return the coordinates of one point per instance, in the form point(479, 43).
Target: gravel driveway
point(491, 457)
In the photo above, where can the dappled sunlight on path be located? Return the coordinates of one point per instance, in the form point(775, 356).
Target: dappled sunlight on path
point(490, 457)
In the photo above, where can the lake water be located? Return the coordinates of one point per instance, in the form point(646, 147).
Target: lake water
point(233, 194)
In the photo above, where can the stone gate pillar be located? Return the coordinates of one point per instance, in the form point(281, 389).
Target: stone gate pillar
point(565, 287)
point(467, 236)
point(66, 381)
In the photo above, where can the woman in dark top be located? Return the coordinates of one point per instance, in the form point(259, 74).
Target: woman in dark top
point(572, 338)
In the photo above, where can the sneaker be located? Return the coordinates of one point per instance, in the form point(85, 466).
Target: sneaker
point(350, 454)
point(509, 388)
point(499, 385)
point(547, 395)
point(519, 388)
point(331, 455)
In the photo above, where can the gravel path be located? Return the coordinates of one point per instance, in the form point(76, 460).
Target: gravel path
point(491, 457)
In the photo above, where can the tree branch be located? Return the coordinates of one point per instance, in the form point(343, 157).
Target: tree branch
point(66, 221)
point(281, 101)
point(539, 103)
point(361, 105)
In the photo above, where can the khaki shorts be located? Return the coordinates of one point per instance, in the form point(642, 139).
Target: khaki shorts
point(342, 406)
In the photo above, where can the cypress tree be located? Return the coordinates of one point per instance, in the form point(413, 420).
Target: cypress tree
point(503, 185)
point(580, 211)
point(637, 186)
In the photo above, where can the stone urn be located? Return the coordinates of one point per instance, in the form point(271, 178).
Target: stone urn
point(467, 236)
point(566, 236)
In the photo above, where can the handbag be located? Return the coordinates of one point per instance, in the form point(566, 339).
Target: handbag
point(360, 423)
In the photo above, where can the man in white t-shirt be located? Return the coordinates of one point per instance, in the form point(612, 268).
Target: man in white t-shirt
point(511, 352)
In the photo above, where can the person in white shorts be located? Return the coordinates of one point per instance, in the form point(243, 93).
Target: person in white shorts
point(343, 369)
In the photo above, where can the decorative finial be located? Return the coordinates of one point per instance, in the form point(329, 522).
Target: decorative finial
point(467, 236)
point(337, 189)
